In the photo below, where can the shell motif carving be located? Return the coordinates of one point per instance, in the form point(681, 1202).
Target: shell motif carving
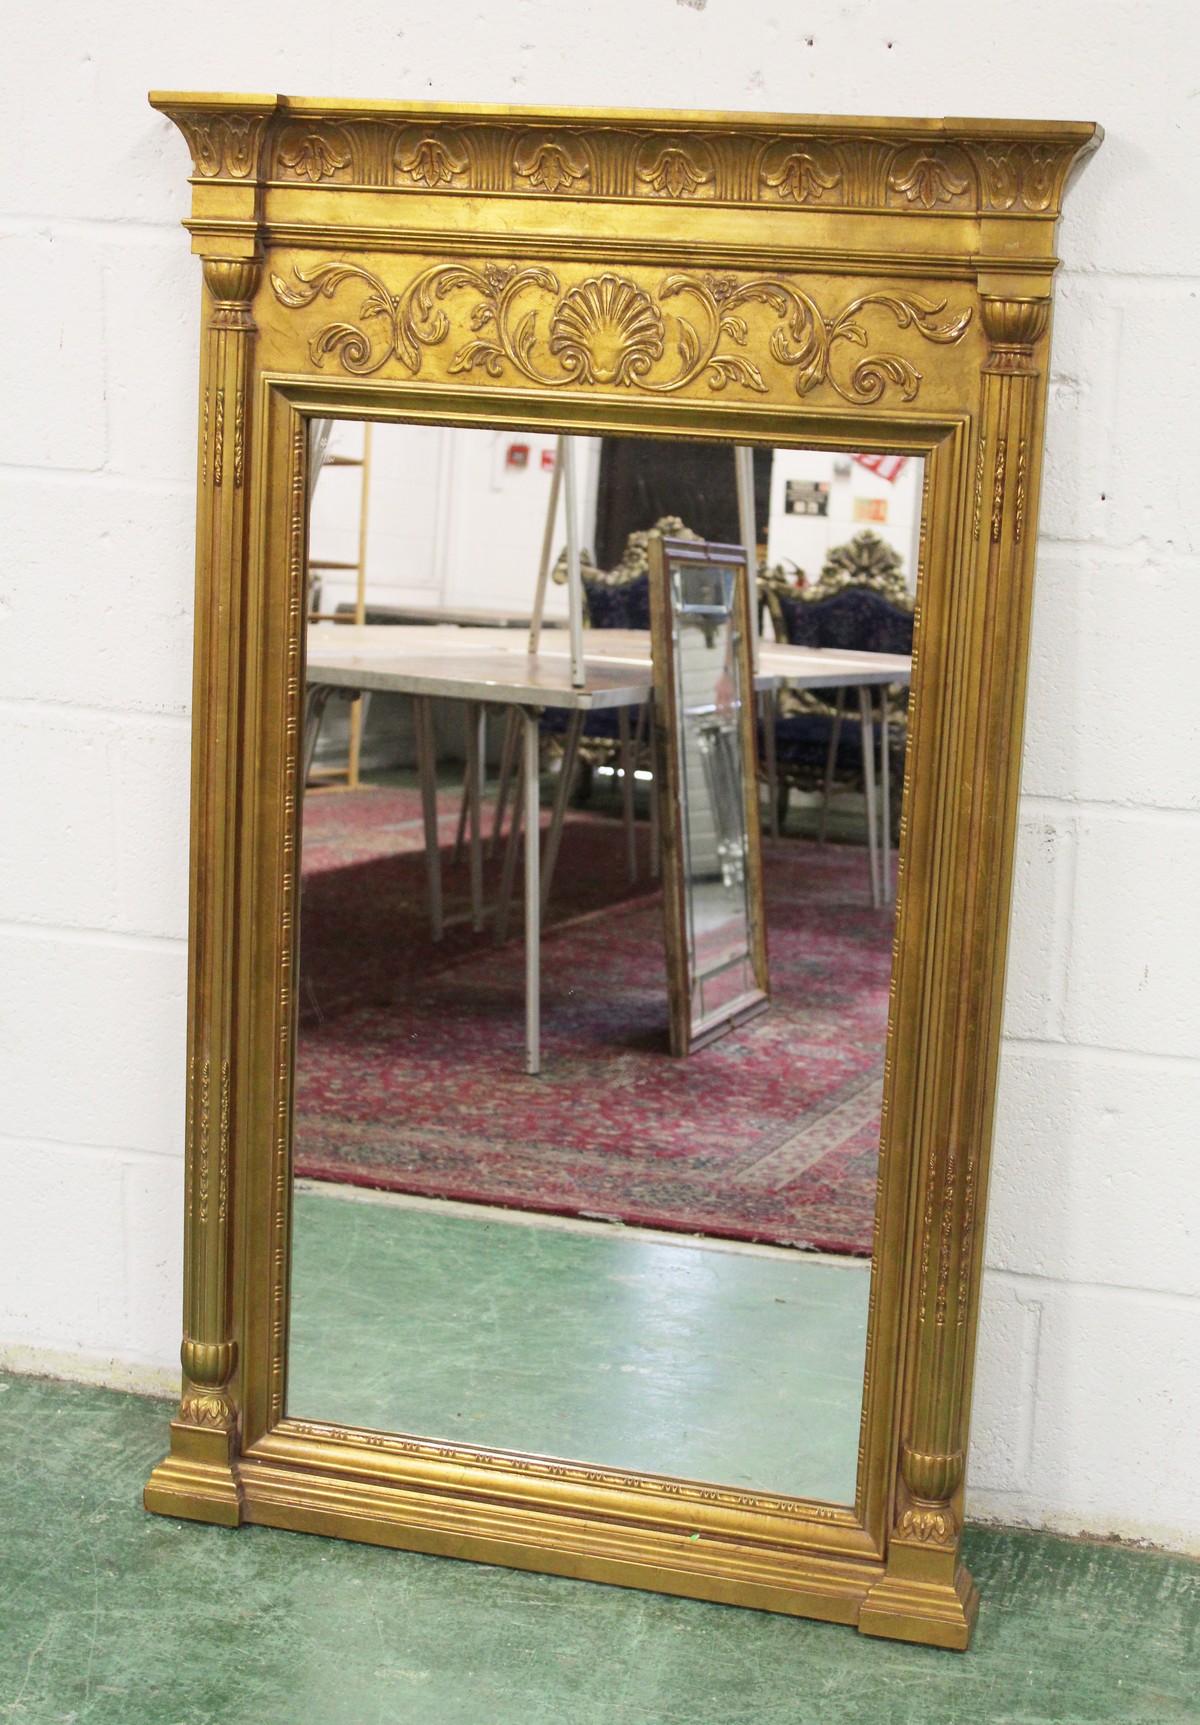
point(607, 331)
point(610, 331)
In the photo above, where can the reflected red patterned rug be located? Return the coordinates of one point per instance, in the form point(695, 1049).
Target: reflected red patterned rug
point(409, 1060)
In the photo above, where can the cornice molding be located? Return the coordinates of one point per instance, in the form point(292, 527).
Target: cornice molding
point(992, 168)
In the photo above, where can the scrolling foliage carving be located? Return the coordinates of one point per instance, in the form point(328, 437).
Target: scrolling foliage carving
point(608, 330)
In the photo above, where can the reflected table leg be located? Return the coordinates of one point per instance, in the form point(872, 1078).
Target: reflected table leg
point(835, 734)
point(867, 721)
point(507, 754)
point(474, 808)
point(768, 705)
point(626, 757)
point(427, 771)
point(885, 797)
point(315, 701)
point(533, 920)
point(562, 796)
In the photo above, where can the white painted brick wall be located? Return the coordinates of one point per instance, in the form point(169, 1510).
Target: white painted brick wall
point(1090, 1351)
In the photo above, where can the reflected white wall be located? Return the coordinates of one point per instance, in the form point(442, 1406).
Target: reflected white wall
point(455, 517)
point(855, 498)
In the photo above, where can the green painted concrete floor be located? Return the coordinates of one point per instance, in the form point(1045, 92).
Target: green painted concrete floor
point(114, 1617)
point(623, 1347)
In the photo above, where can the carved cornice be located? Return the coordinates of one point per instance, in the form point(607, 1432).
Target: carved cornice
point(224, 133)
point(989, 168)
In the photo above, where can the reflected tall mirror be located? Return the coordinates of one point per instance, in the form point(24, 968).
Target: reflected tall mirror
point(706, 758)
point(615, 556)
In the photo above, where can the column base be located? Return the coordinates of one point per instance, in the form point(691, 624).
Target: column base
point(197, 1480)
point(909, 1606)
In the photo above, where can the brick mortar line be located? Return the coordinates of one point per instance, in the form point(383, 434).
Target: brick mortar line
point(81, 935)
point(1034, 802)
point(1038, 1281)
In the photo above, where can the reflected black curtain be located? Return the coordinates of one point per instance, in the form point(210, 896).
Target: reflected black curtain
point(643, 478)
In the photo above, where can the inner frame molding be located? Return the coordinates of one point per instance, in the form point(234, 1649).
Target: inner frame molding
point(870, 284)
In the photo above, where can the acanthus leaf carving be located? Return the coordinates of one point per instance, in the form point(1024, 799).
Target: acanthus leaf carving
point(802, 172)
point(927, 179)
point(551, 163)
point(1022, 175)
point(314, 155)
point(817, 335)
point(609, 330)
point(211, 1408)
point(674, 170)
point(432, 158)
point(223, 146)
point(931, 1524)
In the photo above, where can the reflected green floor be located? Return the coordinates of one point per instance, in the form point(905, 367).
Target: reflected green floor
point(615, 1346)
point(114, 1617)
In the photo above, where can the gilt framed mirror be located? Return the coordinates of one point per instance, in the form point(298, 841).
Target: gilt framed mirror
point(700, 1326)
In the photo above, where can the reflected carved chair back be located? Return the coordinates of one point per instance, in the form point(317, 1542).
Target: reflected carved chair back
point(618, 598)
point(815, 742)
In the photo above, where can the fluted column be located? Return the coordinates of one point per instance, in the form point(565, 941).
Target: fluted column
point(924, 1577)
point(204, 1436)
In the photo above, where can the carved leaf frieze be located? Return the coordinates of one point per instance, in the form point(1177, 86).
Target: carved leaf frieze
point(314, 155)
point(551, 164)
point(852, 171)
point(431, 158)
point(675, 169)
point(609, 330)
point(803, 173)
point(927, 179)
point(1026, 176)
point(223, 146)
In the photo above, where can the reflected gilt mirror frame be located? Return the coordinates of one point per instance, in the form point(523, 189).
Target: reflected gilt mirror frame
point(670, 560)
point(863, 284)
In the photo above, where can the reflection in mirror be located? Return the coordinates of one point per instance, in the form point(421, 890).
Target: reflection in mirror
point(519, 1221)
point(712, 887)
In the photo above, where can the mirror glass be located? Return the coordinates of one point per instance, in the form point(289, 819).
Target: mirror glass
point(703, 690)
point(713, 774)
point(630, 1258)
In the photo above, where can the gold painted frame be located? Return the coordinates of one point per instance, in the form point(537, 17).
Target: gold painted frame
point(859, 283)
